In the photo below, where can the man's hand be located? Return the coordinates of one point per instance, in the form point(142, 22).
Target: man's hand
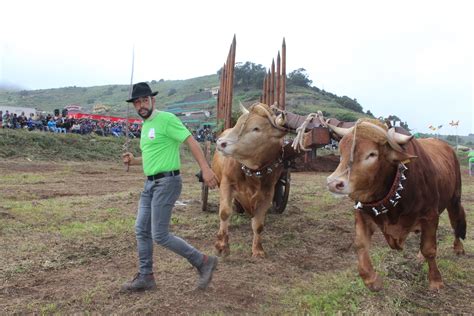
point(210, 178)
point(127, 159)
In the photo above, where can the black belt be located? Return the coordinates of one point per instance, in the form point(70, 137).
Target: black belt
point(163, 174)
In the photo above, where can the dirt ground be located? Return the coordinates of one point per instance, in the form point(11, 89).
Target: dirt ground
point(67, 244)
point(326, 163)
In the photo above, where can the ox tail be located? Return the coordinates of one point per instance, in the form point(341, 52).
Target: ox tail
point(458, 222)
point(457, 215)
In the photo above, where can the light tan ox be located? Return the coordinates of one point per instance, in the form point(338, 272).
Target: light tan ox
point(400, 185)
point(248, 164)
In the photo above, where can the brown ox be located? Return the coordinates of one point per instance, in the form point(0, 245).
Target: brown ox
point(248, 164)
point(398, 199)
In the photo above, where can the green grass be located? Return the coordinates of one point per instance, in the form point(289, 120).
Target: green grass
point(70, 147)
point(24, 178)
point(96, 229)
point(326, 294)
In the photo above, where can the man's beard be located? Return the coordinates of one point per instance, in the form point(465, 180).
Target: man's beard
point(146, 115)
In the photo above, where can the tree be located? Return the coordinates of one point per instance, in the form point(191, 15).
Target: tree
point(248, 75)
point(348, 103)
point(172, 91)
point(346, 117)
point(451, 138)
point(405, 126)
point(299, 78)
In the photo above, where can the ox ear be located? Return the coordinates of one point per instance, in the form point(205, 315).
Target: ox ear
point(243, 109)
point(396, 157)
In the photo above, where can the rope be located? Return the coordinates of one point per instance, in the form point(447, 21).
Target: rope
point(298, 142)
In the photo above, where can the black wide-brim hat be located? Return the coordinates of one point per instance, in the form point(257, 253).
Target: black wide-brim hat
point(141, 89)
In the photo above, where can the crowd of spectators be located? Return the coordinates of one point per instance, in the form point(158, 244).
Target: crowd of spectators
point(60, 124)
point(204, 133)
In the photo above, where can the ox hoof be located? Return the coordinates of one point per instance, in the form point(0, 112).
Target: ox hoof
point(375, 285)
point(458, 247)
point(436, 285)
point(420, 259)
point(222, 251)
point(259, 254)
point(459, 251)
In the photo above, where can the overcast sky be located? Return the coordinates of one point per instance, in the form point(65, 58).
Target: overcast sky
point(412, 58)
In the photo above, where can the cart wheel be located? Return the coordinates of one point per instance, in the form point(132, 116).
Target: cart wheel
point(282, 191)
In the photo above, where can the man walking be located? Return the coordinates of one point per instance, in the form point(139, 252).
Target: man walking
point(161, 136)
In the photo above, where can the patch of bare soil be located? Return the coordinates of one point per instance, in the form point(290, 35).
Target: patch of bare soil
point(85, 274)
point(326, 163)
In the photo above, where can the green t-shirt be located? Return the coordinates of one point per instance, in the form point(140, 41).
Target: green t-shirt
point(471, 156)
point(160, 139)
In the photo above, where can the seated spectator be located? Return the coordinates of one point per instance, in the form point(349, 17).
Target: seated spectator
point(52, 125)
point(116, 130)
point(76, 128)
point(60, 124)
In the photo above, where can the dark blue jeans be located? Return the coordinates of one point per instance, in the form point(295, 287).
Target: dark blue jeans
point(153, 219)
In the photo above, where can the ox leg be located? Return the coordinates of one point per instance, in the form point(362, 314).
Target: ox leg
point(457, 218)
point(257, 227)
point(420, 258)
point(364, 231)
point(428, 249)
point(225, 211)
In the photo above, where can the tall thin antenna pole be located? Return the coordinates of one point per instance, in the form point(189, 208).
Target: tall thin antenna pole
point(127, 123)
point(131, 75)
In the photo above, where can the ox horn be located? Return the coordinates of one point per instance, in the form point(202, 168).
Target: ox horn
point(280, 120)
point(276, 121)
point(280, 115)
point(398, 137)
point(243, 109)
point(340, 131)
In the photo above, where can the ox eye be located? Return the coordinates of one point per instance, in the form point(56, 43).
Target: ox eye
point(256, 129)
point(371, 155)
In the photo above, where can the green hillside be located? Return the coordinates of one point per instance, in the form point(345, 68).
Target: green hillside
point(113, 96)
point(175, 95)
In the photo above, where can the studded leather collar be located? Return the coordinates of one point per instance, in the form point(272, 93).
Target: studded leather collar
point(391, 199)
point(262, 171)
